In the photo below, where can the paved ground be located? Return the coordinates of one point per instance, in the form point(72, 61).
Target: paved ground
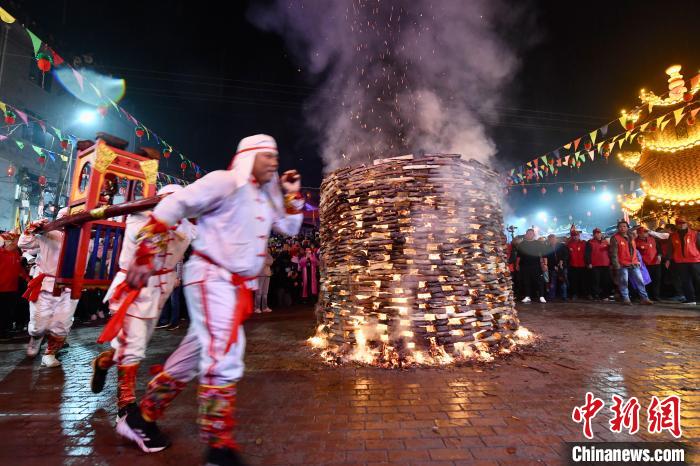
point(294, 410)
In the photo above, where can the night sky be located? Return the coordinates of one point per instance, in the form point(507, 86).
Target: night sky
point(205, 77)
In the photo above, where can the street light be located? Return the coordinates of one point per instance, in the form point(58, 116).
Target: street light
point(542, 216)
point(87, 117)
point(606, 197)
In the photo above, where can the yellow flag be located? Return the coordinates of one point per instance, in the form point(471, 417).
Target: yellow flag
point(18, 225)
point(633, 136)
point(678, 115)
point(644, 126)
point(600, 144)
point(651, 107)
point(664, 123)
point(6, 17)
point(623, 121)
point(620, 142)
point(593, 135)
point(659, 121)
point(3, 107)
point(567, 146)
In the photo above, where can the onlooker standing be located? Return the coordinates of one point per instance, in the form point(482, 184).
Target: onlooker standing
point(651, 257)
point(308, 265)
point(684, 249)
point(577, 265)
point(10, 272)
point(530, 265)
point(512, 259)
point(557, 255)
point(623, 256)
point(264, 285)
point(597, 258)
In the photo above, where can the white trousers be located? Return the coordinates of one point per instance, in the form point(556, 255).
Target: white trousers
point(132, 340)
point(52, 314)
point(211, 300)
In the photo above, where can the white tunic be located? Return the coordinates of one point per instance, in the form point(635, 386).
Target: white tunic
point(49, 247)
point(159, 287)
point(233, 223)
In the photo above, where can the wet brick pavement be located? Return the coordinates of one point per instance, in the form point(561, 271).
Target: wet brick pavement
point(294, 410)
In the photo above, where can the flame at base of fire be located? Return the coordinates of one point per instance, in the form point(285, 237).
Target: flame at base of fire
point(400, 354)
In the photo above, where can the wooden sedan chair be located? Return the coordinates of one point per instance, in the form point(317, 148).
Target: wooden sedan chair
point(105, 174)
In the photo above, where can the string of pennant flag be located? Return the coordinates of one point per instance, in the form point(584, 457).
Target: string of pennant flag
point(45, 154)
point(596, 143)
point(47, 58)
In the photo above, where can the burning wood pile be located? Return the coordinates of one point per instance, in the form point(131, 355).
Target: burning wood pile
point(414, 269)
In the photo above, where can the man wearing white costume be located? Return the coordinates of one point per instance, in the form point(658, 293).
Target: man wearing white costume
point(235, 211)
point(49, 316)
point(136, 312)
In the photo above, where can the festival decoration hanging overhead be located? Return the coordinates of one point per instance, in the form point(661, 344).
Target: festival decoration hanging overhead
point(679, 106)
point(47, 58)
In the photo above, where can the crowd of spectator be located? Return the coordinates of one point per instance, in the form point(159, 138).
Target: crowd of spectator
point(632, 264)
point(291, 276)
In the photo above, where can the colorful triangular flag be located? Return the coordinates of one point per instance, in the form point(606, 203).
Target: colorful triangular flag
point(36, 42)
point(593, 135)
point(678, 115)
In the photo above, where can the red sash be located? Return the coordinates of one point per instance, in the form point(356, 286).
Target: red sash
point(116, 322)
point(34, 287)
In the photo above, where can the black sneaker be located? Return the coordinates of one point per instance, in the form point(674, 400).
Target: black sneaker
point(223, 457)
point(99, 375)
point(146, 434)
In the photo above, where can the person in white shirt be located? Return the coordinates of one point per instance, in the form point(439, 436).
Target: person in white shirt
point(49, 316)
point(235, 211)
point(135, 312)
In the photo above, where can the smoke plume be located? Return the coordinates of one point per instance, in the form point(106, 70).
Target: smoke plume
point(398, 76)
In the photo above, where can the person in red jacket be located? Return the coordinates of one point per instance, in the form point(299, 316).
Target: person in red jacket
point(577, 265)
point(623, 256)
point(684, 250)
point(651, 256)
point(598, 262)
point(10, 272)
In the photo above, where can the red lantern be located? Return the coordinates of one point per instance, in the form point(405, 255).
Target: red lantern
point(560, 189)
point(688, 96)
point(11, 170)
point(140, 132)
point(690, 121)
point(41, 160)
point(587, 145)
point(166, 153)
point(42, 181)
point(629, 125)
point(543, 190)
point(183, 166)
point(524, 191)
point(9, 118)
point(102, 110)
point(198, 175)
point(576, 187)
point(43, 62)
point(592, 187)
point(64, 144)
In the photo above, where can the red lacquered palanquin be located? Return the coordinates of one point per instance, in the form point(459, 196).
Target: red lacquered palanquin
point(104, 174)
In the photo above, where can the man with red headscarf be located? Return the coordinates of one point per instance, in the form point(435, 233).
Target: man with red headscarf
point(235, 211)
